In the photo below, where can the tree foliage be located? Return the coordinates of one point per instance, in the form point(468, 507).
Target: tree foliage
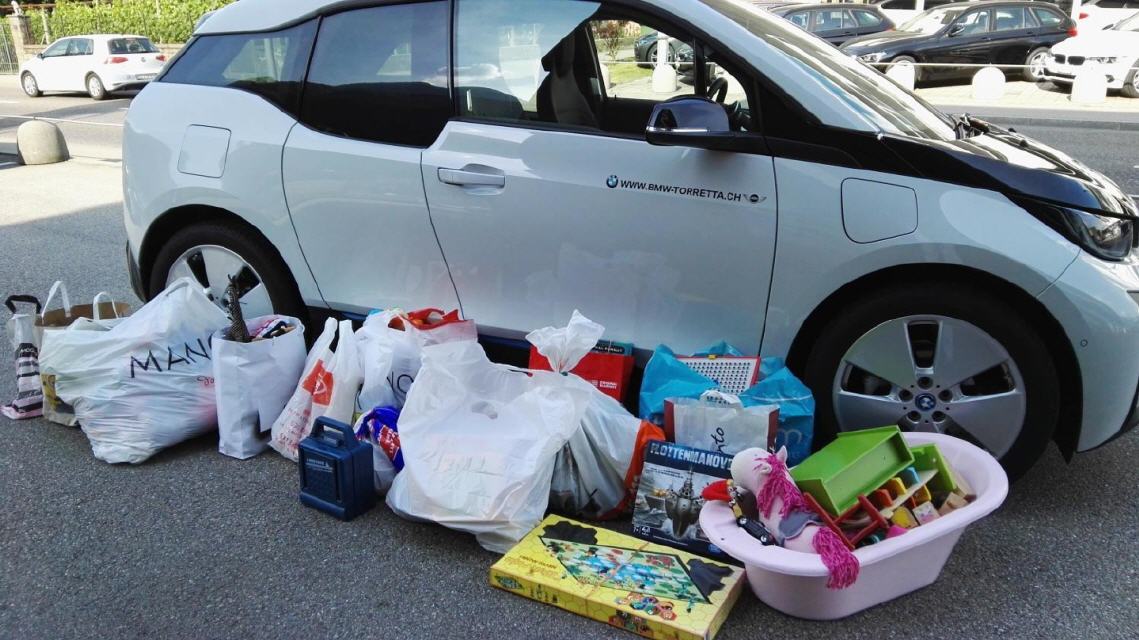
point(166, 21)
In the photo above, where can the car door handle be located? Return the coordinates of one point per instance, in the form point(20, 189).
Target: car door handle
point(468, 178)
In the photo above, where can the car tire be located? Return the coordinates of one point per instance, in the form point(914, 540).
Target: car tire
point(1034, 64)
point(1131, 84)
point(30, 86)
point(95, 87)
point(268, 268)
point(900, 60)
point(966, 311)
point(652, 55)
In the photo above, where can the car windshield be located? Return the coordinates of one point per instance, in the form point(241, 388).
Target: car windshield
point(930, 22)
point(120, 46)
point(1130, 24)
point(883, 103)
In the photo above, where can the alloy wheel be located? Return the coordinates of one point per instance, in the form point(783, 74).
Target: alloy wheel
point(932, 373)
point(1036, 65)
point(212, 266)
point(30, 86)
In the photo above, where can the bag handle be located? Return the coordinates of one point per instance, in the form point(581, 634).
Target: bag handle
point(95, 305)
point(62, 289)
point(12, 300)
point(424, 316)
point(715, 395)
point(340, 434)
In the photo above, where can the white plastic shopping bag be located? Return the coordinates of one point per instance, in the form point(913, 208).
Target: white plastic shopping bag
point(595, 474)
point(147, 382)
point(478, 442)
point(254, 380)
point(719, 422)
point(328, 387)
point(21, 330)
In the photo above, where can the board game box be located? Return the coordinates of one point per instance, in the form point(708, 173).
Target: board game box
point(667, 509)
point(642, 587)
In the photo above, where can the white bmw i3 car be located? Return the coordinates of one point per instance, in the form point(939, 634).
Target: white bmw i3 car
point(938, 273)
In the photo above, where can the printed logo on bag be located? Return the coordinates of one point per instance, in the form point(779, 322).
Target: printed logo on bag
point(400, 384)
point(388, 439)
point(185, 354)
point(319, 384)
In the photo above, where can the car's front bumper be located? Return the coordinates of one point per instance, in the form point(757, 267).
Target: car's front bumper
point(1063, 73)
point(1097, 304)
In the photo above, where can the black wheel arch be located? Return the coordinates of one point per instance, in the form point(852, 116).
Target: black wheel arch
point(1063, 356)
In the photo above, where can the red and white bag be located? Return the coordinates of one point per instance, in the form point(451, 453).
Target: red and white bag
point(327, 388)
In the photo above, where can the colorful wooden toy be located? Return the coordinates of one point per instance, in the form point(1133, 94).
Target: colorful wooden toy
point(925, 513)
point(854, 464)
point(904, 518)
point(895, 487)
point(881, 498)
point(952, 503)
point(921, 496)
point(909, 476)
point(927, 457)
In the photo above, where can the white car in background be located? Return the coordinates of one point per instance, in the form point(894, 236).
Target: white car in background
point(1115, 52)
point(96, 64)
point(1099, 14)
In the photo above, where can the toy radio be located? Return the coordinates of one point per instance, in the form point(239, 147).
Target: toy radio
point(336, 470)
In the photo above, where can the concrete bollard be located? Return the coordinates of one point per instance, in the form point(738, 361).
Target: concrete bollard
point(605, 76)
point(904, 74)
point(39, 142)
point(1089, 86)
point(665, 78)
point(988, 84)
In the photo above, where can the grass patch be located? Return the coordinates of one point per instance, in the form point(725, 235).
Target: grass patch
point(627, 72)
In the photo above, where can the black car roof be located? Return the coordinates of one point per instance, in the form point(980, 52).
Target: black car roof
point(787, 8)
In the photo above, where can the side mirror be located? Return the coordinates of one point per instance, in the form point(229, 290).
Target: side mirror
point(40, 55)
point(955, 30)
point(695, 122)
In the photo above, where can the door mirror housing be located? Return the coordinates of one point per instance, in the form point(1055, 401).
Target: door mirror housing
point(40, 55)
point(692, 121)
point(955, 30)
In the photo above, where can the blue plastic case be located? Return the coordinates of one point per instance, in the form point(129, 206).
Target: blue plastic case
point(336, 470)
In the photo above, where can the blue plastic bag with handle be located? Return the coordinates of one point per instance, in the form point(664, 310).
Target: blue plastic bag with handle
point(666, 377)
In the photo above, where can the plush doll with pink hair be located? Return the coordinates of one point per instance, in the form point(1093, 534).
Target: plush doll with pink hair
point(785, 514)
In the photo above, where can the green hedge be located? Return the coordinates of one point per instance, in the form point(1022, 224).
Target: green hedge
point(166, 21)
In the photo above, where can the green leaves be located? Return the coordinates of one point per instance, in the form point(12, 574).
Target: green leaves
point(163, 21)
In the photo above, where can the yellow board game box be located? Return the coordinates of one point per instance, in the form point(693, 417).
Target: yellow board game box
point(646, 588)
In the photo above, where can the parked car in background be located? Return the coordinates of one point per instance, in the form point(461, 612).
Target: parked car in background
point(1115, 52)
point(837, 22)
point(902, 10)
point(1100, 14)
point(97, 64)
point(645, 51)
point(970, 33)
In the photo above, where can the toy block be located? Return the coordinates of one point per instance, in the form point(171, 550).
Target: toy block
point(909, 476)
point(926, 513)
point(895, 487)
point(921, 496)
point(881, 498)
point(904, 518)
point(952, 503)
point(894, 531)
point(964, 489)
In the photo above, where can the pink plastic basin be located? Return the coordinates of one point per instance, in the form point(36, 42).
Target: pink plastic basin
point(796, 583)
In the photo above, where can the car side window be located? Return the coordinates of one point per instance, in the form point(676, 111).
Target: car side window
point(382, 74)
point(57, 49)
point(1047, 18)
point(1008, 19)
point(975, 22)
point(86, 46)
point(270, 65)
point(828, 20)
point(867, 18)
point(800, 19)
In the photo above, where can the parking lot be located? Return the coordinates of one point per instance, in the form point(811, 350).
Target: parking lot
point(192, 544)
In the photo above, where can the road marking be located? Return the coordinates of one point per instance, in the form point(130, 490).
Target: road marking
point(9, 102)
point(64, 120)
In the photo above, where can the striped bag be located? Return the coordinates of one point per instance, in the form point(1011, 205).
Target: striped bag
point(21, 329)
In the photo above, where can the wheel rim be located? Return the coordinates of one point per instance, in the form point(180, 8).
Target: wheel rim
point(1036, 65)
point(932, 373)
point(212, 266)
point(93, 86)
point(29, 84)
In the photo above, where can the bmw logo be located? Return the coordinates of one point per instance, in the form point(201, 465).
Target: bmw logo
point(925, 402)
point(611, 182)
point(754, 198)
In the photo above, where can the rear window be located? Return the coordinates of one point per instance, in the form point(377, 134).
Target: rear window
point(271, 65)
point(1046, 17)
point(122, 46)
point(867, 19)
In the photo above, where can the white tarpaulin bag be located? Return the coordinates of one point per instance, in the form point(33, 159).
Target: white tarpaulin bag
point(592, 476)
point(328, 387)
point(478, 442)
point(254, 380)
point(719, 422)
point(146, 383)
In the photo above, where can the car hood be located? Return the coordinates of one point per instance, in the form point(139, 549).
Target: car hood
point(1101, 44)
point(882, 41)
point(1013, 164)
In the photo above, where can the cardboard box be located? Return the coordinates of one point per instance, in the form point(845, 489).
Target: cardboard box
point(645, 588)
point(667, 508)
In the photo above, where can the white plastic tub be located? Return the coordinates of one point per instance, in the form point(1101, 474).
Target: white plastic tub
point(796, 583)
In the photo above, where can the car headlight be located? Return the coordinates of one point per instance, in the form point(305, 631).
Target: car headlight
point(872, 57)
point(1103, 236)
point(1103, 60)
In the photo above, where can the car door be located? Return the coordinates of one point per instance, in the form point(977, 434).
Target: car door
point(833, 25)
point(1013, 34)
point(968, 42)
point(80, 61)
point(376, 95)
point(866, 22)
point(51, 72)
point(542, 206)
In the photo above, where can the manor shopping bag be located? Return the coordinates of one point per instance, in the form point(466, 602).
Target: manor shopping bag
point(147, 382)
point(327, 387)
point(719, 421)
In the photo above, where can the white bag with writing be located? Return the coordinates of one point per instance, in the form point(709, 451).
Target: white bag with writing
point(719, 422)
point(145, 383)
point(328, 387)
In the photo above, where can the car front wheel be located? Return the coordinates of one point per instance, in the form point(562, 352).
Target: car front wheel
point(937, 357)
point(30, 86)
point(213, 253)
point(1131, 83)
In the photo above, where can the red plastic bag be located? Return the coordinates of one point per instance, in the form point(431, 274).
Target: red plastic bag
point(609, 371)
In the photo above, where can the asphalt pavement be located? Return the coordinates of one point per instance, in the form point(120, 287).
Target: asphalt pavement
point(195, 545)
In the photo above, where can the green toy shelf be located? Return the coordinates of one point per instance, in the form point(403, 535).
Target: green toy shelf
point(856, 463)
point(927, 457)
